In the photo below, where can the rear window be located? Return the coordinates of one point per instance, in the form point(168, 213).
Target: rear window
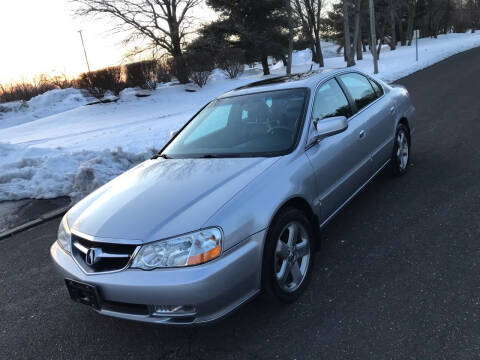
point(378, 89)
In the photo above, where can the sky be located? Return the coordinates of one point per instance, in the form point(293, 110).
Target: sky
point(41, 36)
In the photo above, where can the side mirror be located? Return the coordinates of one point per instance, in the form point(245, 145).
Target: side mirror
point(173, 133)
point(330, 126)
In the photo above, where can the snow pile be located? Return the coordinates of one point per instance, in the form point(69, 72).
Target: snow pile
point(302, 57)
point(54, 152)
point(329, 50)
point(47, 173)
point(46, 104)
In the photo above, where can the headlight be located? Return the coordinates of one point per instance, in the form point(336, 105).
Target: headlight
point(185, 250)
point(63, 236)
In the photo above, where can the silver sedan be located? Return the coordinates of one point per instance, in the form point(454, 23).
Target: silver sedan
point(235, 202)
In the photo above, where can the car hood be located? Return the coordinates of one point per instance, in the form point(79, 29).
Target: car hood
point(163, 198)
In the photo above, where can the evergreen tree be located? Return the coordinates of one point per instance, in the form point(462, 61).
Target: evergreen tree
point(260, 27)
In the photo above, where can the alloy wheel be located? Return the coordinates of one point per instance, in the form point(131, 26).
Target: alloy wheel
point(402, 149)
point(292, 256)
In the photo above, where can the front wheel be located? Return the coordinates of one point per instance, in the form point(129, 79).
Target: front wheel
point(401, 151)
point(288, 256)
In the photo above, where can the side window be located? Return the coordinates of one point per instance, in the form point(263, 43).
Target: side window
point(330, 101)
point(359, 88)
point(378, 89)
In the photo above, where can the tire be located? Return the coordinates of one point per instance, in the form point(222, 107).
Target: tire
point(401, 151)
point(287, 285)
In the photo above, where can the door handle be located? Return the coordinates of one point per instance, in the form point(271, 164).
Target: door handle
point(362, 134)
point(392, 109)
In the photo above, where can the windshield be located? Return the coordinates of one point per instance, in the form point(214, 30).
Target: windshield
point(262, 124)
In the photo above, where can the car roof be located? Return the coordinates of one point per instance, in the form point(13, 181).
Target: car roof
point(303, 80)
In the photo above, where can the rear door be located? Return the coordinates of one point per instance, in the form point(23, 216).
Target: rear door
point(339, 161)
point(374, 112)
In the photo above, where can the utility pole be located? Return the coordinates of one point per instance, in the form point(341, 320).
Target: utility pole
point(84, 51)
point(373, 47)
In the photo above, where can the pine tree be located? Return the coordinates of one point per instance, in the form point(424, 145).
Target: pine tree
point(260, 27)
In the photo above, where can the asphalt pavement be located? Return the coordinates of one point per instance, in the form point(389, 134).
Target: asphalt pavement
point(397, 276)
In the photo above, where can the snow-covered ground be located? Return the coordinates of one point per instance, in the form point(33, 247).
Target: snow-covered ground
point(55, 145)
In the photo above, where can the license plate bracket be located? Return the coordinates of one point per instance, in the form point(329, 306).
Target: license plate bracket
point(84, 293)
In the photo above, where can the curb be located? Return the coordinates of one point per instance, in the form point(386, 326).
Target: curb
point(41, 219)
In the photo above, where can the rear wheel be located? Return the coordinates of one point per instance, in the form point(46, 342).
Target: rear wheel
point(401, 151)
point(288, 256)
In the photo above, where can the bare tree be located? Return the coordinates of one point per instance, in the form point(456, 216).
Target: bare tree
point(393, 15)
point(290, 36)
point(473, 7)
point(309, 13)
point(162, 24)
point(346, 31)
point(412, 4)
point(356, 35)
point(373, 40)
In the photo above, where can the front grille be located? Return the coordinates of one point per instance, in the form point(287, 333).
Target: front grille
point(110, 256)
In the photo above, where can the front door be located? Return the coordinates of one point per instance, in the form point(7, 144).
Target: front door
point(341, 162)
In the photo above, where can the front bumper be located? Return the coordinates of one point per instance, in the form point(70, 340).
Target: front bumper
point(214, 289)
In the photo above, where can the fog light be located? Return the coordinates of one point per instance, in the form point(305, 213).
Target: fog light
point(173, 310)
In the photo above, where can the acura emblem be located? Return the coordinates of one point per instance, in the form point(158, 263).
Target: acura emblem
point(93, 256)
